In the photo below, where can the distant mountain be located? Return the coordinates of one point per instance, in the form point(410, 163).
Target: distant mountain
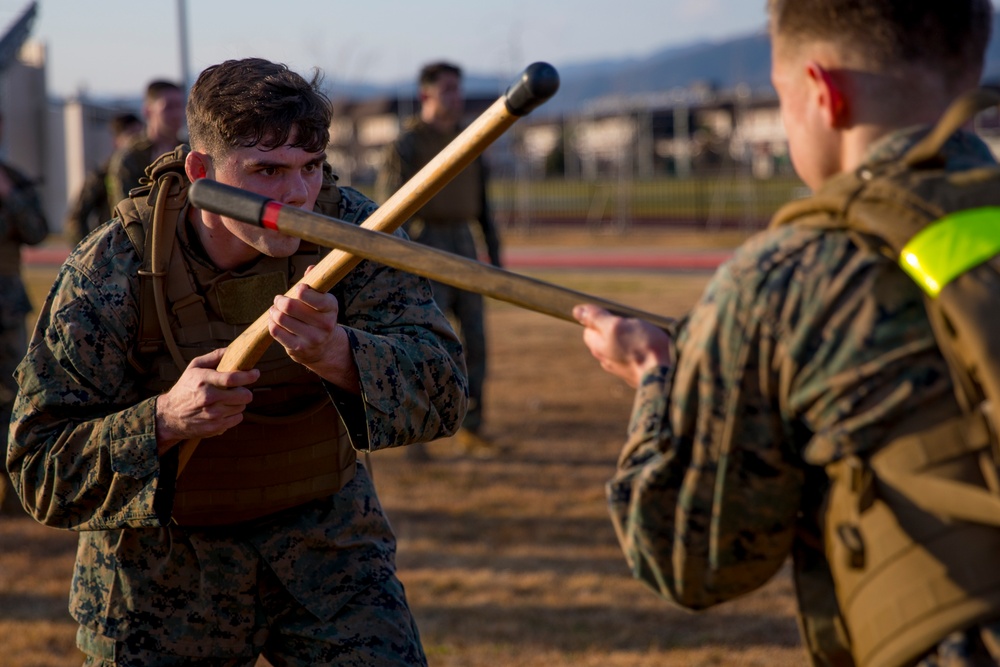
point(722, 64)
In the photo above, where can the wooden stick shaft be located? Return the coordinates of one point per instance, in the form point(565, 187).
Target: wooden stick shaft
point(447, 268)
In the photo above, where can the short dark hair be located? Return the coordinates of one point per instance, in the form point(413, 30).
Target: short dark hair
point(949, 36)
point(250, 102)
point(121, 122)
point(429, 74)
point(157, 88)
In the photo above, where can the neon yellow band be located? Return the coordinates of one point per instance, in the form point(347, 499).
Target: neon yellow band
point(946, 249)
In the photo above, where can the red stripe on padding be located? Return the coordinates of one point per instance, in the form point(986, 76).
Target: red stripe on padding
point(269, 218)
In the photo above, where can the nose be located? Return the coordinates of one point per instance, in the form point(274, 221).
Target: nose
point(296, 191)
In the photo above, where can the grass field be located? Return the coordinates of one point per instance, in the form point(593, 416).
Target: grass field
point(506, 561)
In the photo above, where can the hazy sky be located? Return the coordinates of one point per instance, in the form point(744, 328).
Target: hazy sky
point(112, 47)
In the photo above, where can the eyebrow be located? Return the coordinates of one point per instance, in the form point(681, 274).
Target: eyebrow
point(258, 163)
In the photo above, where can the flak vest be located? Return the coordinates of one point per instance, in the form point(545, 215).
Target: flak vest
point(292, 446)
point(904, 547)
point(459, 201)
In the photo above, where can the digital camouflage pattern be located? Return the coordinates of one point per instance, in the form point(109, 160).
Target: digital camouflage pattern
point(444, 223)
point(83, 456)
point(21, 223)
point(803, 348)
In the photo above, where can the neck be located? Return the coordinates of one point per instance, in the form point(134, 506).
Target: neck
point(889, 105)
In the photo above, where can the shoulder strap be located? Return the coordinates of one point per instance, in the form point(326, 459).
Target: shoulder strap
point(149, 217)
point(330, 200)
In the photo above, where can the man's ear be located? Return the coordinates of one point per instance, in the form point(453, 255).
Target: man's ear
point(196, 165)
point(828, 89)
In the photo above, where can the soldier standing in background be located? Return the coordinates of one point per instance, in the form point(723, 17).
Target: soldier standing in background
point(163, 109)
point(444, 223)
point(21, 223)
point(92, 206)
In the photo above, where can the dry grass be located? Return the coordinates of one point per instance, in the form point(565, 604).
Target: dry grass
point(506, 561)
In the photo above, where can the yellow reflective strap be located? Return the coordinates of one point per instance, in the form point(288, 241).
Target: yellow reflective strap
point(946, 249)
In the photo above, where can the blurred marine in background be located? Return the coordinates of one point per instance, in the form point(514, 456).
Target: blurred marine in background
point(92, 206)
point(444, 223)
point(163, 110)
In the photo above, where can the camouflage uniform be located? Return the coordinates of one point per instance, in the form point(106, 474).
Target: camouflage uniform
point(21, 222)
point(317, 581)
point(804, 348)
point(443, 224)
point(127, 166)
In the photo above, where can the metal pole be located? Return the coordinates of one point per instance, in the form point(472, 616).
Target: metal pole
point(183, 35)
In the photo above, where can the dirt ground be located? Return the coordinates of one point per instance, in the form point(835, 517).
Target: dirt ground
point(508, 560)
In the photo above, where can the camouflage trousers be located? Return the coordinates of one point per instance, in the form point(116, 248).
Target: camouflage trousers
point(375, 629)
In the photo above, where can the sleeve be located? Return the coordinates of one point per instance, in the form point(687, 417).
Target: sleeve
point(409, 359)
point(490, 236)
point(705, 498)
point(82, 451)
point(21, 215)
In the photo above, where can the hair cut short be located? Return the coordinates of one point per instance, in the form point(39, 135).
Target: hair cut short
point(156, 89)
point(429, 74)
point(948, 36)
point(251, 102)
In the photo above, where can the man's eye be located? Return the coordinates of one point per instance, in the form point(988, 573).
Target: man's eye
point(310, 168)
point(269, 171)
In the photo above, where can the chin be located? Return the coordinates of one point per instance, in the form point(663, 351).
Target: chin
point(284, 248)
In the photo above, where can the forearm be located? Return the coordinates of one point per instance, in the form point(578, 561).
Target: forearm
point(413, 389)
point(94, 474)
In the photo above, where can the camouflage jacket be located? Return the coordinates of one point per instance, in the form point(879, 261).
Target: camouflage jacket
point(803, 347)
point(83, 455)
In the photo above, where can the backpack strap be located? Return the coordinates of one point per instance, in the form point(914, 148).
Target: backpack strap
point(149, 217)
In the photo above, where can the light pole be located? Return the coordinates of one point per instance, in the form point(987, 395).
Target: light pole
point(183, 36)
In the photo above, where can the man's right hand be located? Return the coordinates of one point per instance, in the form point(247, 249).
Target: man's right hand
point(625, 347)
point(203, 403)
